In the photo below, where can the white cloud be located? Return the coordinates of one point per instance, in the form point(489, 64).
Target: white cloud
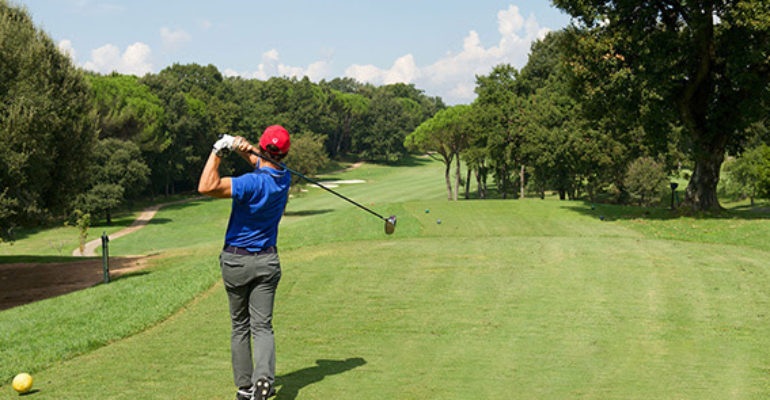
point(174, 39)
point(364, 73)
point(135, 60)
point(453, 77)
point(205, 24)
point(404, 69)
point(272, 66)
point(65, 46)
point(318, 70)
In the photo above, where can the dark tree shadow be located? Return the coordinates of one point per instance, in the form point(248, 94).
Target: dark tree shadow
point(134, 274)
point(154, 221)
point(291, 383)
point(412, 160)
point(303, 213)
point(23, 258)
point(612, 212)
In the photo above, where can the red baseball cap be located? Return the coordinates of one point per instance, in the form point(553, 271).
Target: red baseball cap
point(276, 135)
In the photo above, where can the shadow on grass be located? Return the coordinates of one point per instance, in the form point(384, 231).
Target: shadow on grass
point(411, 160)
point(154, 221)
point(188, 203)
point(304, 213)
point(32, 259)
point(134, 274)
point(293, 382)
point(610, 212)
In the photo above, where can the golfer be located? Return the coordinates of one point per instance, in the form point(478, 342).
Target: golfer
point(249, 261)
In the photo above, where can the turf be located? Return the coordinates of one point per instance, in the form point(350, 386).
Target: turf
point(59, 240)
point(38, 335)
point(503, 299)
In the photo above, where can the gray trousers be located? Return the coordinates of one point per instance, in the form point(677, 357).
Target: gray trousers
point(251, 282)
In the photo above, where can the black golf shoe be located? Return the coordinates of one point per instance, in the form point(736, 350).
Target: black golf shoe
point(245, 394)
point(263, 389)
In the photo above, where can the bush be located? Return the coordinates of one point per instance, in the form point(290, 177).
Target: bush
point(645, 180)
point(749, 175)
point(307, 154)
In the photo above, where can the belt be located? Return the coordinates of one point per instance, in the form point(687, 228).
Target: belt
point(244, 252)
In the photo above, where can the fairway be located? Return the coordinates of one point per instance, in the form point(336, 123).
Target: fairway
point(505, 299)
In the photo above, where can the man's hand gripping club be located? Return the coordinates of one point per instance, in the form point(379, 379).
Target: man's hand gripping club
point(224, 144)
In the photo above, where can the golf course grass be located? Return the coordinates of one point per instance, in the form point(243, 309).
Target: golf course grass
point(504, 299)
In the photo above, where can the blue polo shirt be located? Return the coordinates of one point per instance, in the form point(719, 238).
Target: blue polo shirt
point(259, 199)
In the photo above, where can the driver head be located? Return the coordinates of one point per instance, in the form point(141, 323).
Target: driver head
point(390, 225)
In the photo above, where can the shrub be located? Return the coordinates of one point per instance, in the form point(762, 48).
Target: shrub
point(645, 180)
point(749, 175)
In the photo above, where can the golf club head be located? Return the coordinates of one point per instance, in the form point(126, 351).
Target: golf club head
point(390, 225)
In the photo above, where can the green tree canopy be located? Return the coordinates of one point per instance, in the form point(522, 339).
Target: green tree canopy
point(699, 65)
point(117, 174)
point(46, 123)
point(445, 134)
point(128, 110)
point(501, 105)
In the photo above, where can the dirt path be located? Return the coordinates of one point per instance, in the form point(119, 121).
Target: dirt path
point(140, 222)
point(351, 167)
point(23, 283)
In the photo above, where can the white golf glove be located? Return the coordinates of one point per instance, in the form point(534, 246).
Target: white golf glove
point(227, 142)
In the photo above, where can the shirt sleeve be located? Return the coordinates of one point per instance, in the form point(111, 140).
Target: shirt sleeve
point(244, 187)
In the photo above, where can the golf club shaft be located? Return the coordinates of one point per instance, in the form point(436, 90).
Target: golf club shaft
point(313, 181)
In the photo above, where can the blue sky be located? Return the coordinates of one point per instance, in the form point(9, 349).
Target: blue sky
point(437, 45)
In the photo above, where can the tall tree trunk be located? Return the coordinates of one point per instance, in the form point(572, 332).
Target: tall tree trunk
point(521, 184)
point(448, 166)
point(109, 217)
point(468, 183)
point(701, 193)
point(457, 175)
point(484, 181)
point(503, 174)
point(709, 144)
point(479, 188)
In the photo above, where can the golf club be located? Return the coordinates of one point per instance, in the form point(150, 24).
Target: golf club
point(390, 222)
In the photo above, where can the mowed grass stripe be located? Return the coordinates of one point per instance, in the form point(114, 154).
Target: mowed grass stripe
point(566, 326)
point(474, 318)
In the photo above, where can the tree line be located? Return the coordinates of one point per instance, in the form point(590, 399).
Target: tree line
point(614, 104)
point(79, 141)
point(607, 108)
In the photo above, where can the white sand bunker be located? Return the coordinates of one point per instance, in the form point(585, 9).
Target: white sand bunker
point(334, 184)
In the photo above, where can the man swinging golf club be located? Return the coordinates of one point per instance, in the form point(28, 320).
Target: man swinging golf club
point(249, 261)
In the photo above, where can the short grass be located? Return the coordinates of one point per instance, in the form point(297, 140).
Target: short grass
point(38, 335)
point(58, 241)
point(502, 299)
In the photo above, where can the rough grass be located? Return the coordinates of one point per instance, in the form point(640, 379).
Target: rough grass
point(40, 334)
